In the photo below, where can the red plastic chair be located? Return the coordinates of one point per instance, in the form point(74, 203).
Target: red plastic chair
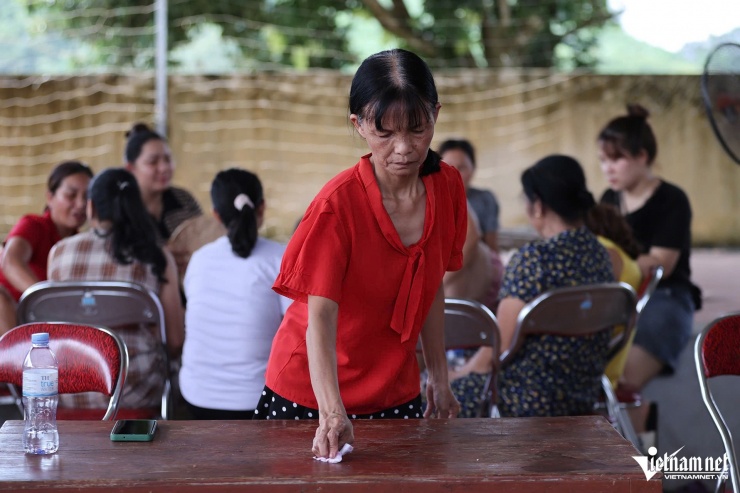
point(717, 353)
point(91, 359)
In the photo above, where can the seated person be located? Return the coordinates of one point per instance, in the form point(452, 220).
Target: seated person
point(121, 245)
point(233, 313)
point(460, 154)
point(148, 157)
point(659, 214)
point(550, 375)
point(479, 280)
point(615, 235)
point(23, 259)
point(480, 277)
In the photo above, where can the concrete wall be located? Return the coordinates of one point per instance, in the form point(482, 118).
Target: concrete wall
point(292, 130)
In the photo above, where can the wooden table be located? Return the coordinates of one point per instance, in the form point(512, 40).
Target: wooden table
point(523, 455)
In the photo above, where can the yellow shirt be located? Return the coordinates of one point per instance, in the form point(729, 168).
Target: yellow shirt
point(631, 275)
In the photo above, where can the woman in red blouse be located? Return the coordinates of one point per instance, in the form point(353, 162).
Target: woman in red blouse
point(26, 249)
point(365, 266)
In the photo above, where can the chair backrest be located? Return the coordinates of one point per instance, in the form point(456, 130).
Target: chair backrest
point(470, 325)
point(102, 303)
point(575, 311)
point(108, 303)
point(91, 359)
point(648, 286)
point(717, 353)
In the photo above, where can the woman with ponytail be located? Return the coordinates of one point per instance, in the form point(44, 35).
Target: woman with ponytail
point(233, 313)
point(536, 382)
point(121, 245)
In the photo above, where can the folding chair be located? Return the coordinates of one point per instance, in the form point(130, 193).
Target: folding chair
point(717, 353)
point(91, 359)
point(623, 398)
point(578, 311)
point(107, 303)
point(648, 286)
point(470, 325)
point(9, 396)
point(575, 311)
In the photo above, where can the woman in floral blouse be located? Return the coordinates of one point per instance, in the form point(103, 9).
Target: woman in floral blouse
point(550, 375)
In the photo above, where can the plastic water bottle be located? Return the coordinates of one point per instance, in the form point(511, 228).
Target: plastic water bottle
point(40, 397)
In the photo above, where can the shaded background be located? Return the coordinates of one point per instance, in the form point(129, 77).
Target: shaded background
point(263, 84)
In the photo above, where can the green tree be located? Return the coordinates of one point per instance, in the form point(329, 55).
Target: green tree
point(496, 33)
point(315, 33)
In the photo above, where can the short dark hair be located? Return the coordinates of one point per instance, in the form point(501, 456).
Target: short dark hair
point(139, 135)
point(63, 170)
point(239, 216)
point(629, 134)
point(458, 144)
point(559, 183)
point(115, 197)
point(396, 77)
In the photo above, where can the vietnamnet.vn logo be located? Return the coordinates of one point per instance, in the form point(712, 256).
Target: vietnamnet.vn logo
point(674, 467)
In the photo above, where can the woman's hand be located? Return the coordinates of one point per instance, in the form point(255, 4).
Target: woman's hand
point(335, 429)
point(458, 372)
point(441, 402)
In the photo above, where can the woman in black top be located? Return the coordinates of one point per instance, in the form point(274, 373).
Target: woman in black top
point(660, 216)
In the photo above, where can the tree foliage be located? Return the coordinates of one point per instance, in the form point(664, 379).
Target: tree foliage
point(497, 33)
point(307, 33)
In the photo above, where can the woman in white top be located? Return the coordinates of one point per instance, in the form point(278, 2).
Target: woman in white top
point(232, 313)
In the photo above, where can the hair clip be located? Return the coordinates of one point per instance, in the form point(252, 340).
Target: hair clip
point(122, 185)
point(241, 200)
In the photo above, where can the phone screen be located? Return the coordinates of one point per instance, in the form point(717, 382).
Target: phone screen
point(133, 430)
point(134, 427)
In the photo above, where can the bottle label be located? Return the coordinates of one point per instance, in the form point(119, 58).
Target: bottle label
point(40, 382)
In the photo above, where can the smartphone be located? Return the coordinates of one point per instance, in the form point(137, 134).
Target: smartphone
point(133, 430)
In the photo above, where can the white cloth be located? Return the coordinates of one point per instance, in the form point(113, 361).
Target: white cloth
point(231, 318)
point(346, 448)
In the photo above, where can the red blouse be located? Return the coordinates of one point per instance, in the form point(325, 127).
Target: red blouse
point(347, 249)
point(41, 233)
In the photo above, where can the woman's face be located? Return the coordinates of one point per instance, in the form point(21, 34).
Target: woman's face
point(457, 158)
point(153, 168)
point(67, 205)
point(624, 171)
point(397, 150)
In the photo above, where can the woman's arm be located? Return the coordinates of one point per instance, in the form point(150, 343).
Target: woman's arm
point(169, 295)
point(469, 251)
point(665, 257)
point(506, 315)
point(491, 239)
point(335, 428)
point(440, 400)
point(16, 256)
point(482, 360)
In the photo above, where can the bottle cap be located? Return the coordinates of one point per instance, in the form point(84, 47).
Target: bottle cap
point(41, 338)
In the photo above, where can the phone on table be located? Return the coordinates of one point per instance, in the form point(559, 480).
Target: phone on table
point(133, 430)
